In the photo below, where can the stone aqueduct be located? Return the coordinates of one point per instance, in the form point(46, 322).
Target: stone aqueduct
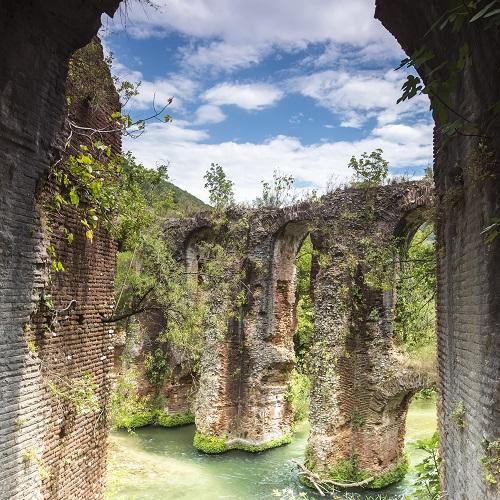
point(361, 386)
point(37, 40)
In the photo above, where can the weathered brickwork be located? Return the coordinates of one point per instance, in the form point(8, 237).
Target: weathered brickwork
point(32, 100)
point(361, 387)
point(467, 175)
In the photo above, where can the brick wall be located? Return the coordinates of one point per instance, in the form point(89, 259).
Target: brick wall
point(32, 99)
point(466, 171)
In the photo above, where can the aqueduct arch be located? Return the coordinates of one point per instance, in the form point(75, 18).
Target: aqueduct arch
point(36, 43)
point(361, 387)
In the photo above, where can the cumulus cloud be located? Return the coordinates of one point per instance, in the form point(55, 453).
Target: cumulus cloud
point(250, 96)
point(248, 163)
point(358, 96)
point(221, 56)
point(236, 33)
point(208, 113)
point(157, 91)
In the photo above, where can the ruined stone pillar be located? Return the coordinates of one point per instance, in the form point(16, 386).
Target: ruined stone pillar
point(361, 388)
point(243, 396)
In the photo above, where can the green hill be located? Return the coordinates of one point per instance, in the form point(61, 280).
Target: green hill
point(185, 201)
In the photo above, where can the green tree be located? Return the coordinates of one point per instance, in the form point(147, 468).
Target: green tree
point(276, 193)
point(370, 169)
point(415, 323)
point(219, 187)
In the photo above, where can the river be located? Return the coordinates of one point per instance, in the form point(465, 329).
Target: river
point(160, 464)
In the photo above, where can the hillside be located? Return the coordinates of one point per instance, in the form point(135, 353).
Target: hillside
point(185, 201)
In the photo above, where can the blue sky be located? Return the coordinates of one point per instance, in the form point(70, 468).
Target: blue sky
point(258, 86)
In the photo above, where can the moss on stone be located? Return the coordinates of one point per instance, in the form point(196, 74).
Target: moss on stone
point(392, 476)
point(256, 448)
point(175, 420)
point(144, 417)
point(209, 444)
point(347, 471)
point(214, 444)
point(134, 420)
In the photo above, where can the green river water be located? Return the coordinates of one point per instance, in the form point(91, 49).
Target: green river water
point(156, 463)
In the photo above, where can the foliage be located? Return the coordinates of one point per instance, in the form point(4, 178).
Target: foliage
point(220, 188)
point(443, 79)
point(209, 444)
point(77, 392)
point(131, 411)
point(427, 483)
point(128, 410)
point(156, 367)
point(305, 306)
point(89, 80)
point(257, 448)
point(348, 471)
point(184, 203)
point(175, 420)
point(426, 394)
point(415, 308)
point(390, 477)
point(458, 415)
point(276, 193)
point(370, 169)
point(491, 461)
point(148, 276)
point(214, 444)
point(299, 394)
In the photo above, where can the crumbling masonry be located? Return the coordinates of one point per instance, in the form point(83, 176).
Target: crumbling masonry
point(37, 38)
point(361, 387)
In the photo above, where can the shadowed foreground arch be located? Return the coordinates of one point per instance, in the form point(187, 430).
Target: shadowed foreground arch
point(37, 39)
point(467, 176)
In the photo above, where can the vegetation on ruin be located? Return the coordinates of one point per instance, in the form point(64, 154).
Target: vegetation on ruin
point(490, 461)
point(129, 410)
point(209, 444)
point(276, 193)
point(370, 169)
point(219, 187)
point(415, 313)
point(427, 484)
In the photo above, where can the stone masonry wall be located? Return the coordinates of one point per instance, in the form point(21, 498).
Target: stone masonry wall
point(467, 175)
point(32, 100)
point(361, 387)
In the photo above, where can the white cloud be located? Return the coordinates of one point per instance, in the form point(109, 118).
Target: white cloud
point(280, 21)
point(250, 96)
point(358, 96)
point(209, 113)
point(157, 91)
point(221, 56)
point(237, 33)
point(248, 163)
